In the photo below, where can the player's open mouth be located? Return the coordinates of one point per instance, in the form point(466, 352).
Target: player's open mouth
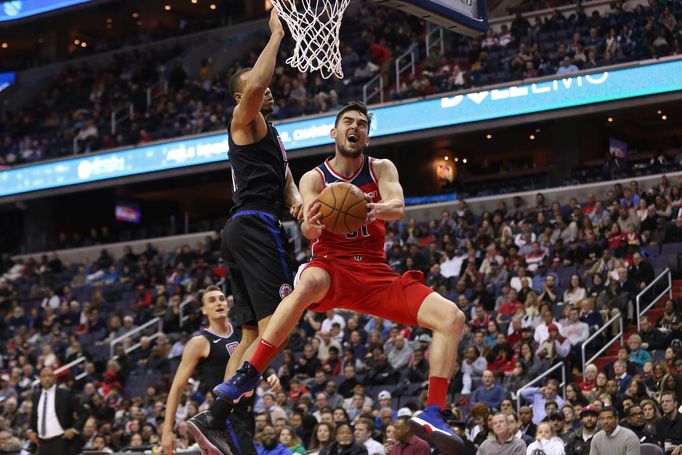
point(352, 138)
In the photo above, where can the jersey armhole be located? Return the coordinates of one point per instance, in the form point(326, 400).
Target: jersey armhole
point(371, 170)
point(321, 174)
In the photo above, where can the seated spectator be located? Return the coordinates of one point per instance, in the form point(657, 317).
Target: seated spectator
point(638, 356)
point(539, 396)
point(546, 441)
point(503, 441)
point(567, 67)
point(488, 392)
point(269, 443)
point(363, 435)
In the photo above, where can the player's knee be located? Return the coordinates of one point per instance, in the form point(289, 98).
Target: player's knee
point(313, 285)
point(452, 319)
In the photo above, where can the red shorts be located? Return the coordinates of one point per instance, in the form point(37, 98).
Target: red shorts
point(371, 288)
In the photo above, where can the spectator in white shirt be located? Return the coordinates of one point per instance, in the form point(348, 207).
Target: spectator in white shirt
point(363, 434)
point(329, 321)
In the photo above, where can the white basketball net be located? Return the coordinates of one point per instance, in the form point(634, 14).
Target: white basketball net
point(315, 26)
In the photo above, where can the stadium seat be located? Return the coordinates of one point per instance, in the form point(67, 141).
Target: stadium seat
point(650, 449)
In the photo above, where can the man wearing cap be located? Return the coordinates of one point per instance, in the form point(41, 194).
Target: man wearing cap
point(504, 442)
point(537, 397)
point(556, 420)
point(495, 278)
point(635, 422)
point(384, 399)
point(579, 442)
point(613, 439)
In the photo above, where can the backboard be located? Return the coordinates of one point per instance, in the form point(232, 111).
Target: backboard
point(467, 17)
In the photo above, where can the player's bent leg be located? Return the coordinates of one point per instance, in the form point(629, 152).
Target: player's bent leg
point(313, 286)
point(244, 350)
point(447, 323)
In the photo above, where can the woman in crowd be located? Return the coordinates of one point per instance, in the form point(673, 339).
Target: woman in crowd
point(575, 291)
point(291, 441)
point(600, 387)
point(651, 415)
point(322, 438)
point(574, 395)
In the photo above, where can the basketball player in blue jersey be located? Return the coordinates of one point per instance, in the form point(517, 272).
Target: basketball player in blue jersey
point(254, 243)
point(207, 354)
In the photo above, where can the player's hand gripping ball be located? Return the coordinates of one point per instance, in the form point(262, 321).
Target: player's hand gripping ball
point(343, 208)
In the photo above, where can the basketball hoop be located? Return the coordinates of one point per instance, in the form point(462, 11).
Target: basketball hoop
point(315, 26)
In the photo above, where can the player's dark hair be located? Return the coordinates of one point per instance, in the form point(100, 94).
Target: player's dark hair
point(235, 80)
point(610, 409)
point(203, 292)
point(357, 106)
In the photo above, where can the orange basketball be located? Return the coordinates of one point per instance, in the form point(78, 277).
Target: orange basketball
point(343, 208)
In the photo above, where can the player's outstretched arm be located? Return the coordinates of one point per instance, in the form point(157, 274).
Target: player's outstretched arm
point(248, 109)
point(393, 206)
point(197, 348)
point(311, 186)
point(293, 198)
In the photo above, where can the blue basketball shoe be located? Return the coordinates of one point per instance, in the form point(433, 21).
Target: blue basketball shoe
point(430, 425)
point(240, 385)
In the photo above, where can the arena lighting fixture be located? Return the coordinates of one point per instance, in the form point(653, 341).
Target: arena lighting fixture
point(136, 15)
point(446, 158)
point(167, 7)
point(610, 119)
point(84, 44)
point(456, 159)
point(664, 117)
point(194, 2)
point(212, 6)
point(532, 137)
point(659, 112)
point(76, 42)
point(4, 45)
point(488, 136)
point(464, 160)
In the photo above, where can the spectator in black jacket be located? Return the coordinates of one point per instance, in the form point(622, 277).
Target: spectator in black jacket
point(669, 426)
point(641, 273)
point(652, 338)
point(635, 422)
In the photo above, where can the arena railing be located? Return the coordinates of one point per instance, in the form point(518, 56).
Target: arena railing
point(68, 366)
point(560, 365)
point(181, 309)
point(133, 332)
point(616, 319)
point(434, 37)
point(368, 95)
point(410, 53)
point(643, 294)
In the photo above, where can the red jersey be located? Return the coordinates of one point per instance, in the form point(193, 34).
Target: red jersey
point(367, 243)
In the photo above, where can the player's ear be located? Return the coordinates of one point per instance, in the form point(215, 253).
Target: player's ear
point(332, 133)
point(237, 96)
point(367, 142)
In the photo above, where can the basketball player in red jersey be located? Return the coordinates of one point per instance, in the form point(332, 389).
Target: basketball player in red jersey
point(350, 272)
